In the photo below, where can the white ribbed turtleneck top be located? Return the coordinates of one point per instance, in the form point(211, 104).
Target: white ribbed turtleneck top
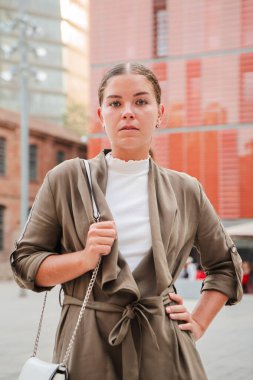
point(127, 197)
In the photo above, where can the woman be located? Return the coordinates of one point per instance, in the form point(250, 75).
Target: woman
point(135, 326)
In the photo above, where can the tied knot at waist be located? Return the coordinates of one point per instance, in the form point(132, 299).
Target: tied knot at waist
point(129, 311)
point(121, 333)
point(137, 310)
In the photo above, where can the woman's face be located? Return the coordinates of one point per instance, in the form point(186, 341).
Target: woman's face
point(130, 114)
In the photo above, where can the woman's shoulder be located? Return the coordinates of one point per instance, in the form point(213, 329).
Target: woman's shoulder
point(179, 179)
point(186, 188)
point(68, 169)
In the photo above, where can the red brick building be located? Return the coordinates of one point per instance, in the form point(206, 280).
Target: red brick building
point(49, 145)
point(202, 53)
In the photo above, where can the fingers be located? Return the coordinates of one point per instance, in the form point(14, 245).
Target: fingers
point(100, 239)
point(176, 309)
point(104, 225)
point(186, 327)
point(104, 240)
point(181, 316)
point(102, 232)
point(107, 229)
point(100, 245)
point(104, 250)
point(178, 312)
point(176, 297)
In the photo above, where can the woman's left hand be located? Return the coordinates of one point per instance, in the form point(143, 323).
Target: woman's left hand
point(180, 313)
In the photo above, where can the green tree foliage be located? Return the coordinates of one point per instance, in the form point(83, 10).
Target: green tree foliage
point(76, 118)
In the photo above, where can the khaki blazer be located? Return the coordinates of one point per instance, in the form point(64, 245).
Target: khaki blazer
point(126, 333)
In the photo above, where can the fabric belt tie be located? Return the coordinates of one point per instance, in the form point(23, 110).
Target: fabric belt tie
point(121, 333)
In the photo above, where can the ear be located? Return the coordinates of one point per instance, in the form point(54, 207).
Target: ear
point(99, 112)
point(161, 111)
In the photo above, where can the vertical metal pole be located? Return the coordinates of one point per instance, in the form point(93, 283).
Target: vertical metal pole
point(24, 120)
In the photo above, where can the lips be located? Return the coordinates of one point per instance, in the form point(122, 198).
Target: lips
point(128, 128)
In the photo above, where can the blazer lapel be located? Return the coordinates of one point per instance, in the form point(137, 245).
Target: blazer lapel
point(163, 209)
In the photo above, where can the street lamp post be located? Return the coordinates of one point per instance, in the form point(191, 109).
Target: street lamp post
point(26, 28)
point(24, 124)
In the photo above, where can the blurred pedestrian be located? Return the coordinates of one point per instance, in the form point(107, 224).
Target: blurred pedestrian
point(200, 274)
point(189, 270)
point(246, 285)
point(135, 326)
point(251, 278)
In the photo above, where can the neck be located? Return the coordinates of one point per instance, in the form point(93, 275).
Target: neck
point(128, 155)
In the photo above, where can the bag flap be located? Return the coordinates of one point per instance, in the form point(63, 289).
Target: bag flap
point(35, 368)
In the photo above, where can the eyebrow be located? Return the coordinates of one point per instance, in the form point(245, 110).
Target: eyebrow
point(137, 94)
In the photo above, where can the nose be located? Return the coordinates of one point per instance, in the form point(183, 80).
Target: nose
point(127, 112)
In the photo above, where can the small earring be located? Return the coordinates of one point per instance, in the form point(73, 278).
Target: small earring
point(104, 126)
point(158, 124)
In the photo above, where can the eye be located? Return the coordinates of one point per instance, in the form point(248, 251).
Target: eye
point(141, 102)
point(115, 103)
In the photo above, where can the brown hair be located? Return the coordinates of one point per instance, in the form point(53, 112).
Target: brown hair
point(129, 68)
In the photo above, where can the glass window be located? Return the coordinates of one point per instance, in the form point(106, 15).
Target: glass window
point(33, 162)
point(1, 227)
point(246, 98)
point(193, 92)
point(2, 156)
point(60, 157)
point(161, 33)
point(246, 22)
point(247, 88)
point(160, 28)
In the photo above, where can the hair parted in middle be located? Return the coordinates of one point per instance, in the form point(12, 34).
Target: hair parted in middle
point(129, 68)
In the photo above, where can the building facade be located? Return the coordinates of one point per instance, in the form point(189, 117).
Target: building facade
point(202, 54)
point(64, 34)
point(49, 145)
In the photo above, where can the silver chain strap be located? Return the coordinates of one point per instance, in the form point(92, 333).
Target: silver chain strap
point(39, 328)
point(96, 215)
point(81, 313)
point(86, 299)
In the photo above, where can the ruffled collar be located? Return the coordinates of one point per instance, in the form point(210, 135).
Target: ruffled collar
point(131, 166)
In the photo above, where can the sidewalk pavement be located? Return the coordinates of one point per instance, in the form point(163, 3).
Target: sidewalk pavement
point(226, 348)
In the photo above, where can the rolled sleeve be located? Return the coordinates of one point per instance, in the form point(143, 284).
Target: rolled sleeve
point(219, 256)
point(39, 239)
